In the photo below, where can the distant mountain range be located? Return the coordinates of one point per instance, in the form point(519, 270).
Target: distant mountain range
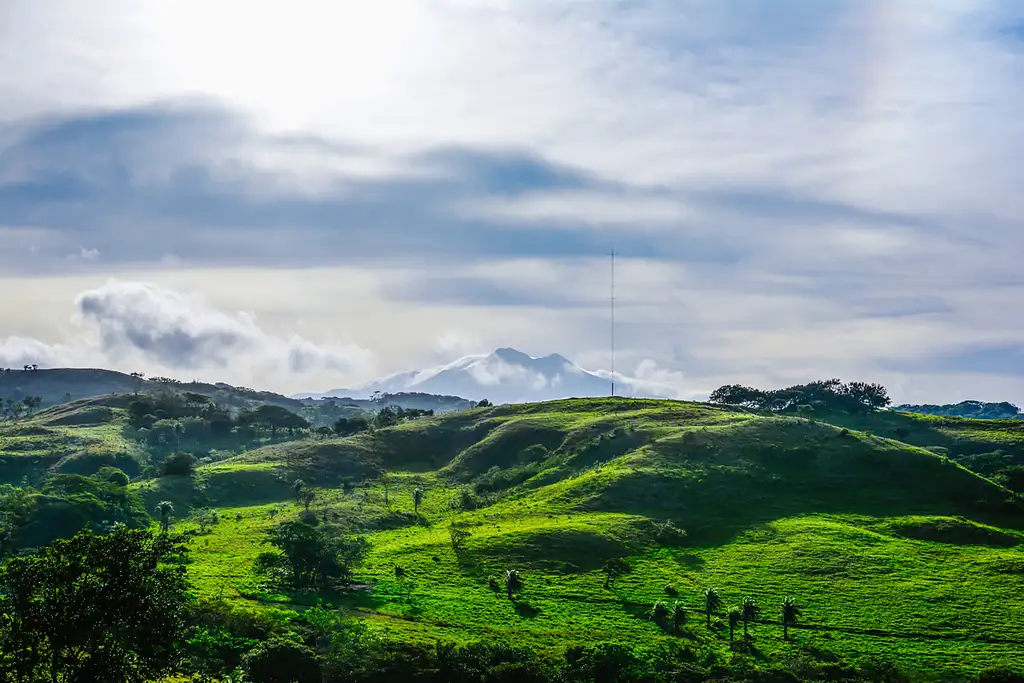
point(506, 376)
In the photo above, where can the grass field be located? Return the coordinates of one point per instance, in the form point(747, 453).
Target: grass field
point(889, 548)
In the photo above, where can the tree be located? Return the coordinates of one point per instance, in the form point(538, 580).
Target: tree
point(678, 616)
point(388, 416)
point(94, 608)
point(658, 612)
point(737, 395)
point(790, 612)
point(484, 403)
point(749, 612)
point(205, 517)
point(311, 556)
point(179, 463)
point(417, 499)
point(15, 514)
point(298, 486)
point(513, 582)
point(31, 403)
point(347, 426)
point(281, 661)
point(307, 498)
point(613, 569)
point(458, 538)
point(273, 417)
point(712, 602)
point(873, 396)
point(734, 620)
point(384, 481)
point(165, 508)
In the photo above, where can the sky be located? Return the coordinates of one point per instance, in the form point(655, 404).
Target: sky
point(305, 195)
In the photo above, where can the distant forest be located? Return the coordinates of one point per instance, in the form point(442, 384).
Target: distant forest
point(976, 409)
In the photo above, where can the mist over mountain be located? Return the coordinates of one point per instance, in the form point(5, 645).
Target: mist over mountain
point(508, 376)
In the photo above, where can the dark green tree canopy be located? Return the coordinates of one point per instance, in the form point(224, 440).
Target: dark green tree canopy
point(828, 395)
point(93, 608)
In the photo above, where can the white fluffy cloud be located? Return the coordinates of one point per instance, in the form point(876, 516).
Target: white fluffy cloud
point(135, 324)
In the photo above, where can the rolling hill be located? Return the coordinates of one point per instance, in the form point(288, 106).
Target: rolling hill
point(892, 548)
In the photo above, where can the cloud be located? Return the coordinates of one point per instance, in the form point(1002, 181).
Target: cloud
point(459, 343)
point(131, 323)
point(807, 189)
point(574, 209)
point(18, 351)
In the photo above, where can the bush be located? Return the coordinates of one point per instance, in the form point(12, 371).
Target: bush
point(281, 661)
point(669, 534)
point(112, 475)
point(179, 463)
point(1000, 674)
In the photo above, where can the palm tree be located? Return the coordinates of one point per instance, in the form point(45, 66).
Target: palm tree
point(165, 508)
point(417, 498)
point(734, 620)
point(790, 612)
point(749, 613)
point(513, 581)
point(678, 616)
point(658, 612)
point(712, 602)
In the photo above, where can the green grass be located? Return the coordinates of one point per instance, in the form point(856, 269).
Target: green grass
point(889, 549)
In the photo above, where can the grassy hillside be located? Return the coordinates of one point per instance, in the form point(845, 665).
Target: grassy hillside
point(891, 548)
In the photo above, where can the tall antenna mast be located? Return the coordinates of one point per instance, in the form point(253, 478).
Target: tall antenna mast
point(613, 319)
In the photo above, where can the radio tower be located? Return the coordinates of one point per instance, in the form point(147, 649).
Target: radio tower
point(612, 300)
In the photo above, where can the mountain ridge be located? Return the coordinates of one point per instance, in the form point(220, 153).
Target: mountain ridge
point(507, 375)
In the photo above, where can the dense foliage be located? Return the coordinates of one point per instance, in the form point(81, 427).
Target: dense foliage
point(827, 395)
point(311, 556)
point(979, 410)
point(64, 504)
point(93, 608)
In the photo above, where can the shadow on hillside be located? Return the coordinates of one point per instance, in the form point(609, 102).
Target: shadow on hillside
point(725, 483)
point(526, 611)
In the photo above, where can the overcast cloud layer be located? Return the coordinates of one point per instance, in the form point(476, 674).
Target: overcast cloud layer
point(303, 195)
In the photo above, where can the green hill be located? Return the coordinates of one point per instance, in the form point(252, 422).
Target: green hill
point(891, 547)
point(60, 385)
point(893, 550)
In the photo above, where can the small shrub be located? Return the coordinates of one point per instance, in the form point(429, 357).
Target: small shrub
point(669, 534)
